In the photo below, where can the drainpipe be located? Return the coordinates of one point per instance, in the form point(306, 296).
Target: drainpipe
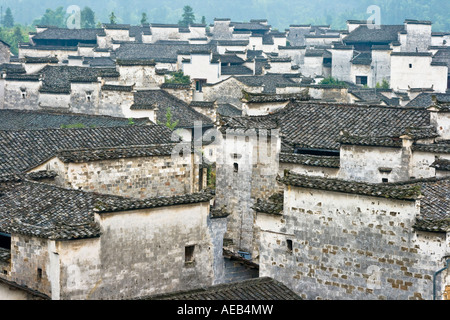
point(435, 275)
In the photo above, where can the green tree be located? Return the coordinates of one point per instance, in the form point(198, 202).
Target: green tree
point(187, 17)
point(112, 18)
point(8, 20)
point(333, 82)
point(178, 77)
point(55, 18)
point(87, 18)
point(144, 18)
point(384, 85)
point(169, 123)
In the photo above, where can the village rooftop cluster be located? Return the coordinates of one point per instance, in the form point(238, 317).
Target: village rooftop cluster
point(226, 161)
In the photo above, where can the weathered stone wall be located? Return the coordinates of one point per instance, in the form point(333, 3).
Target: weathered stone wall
point(140, 76)
point(381, 63)
point(258, 109)
point(5, 53)
point(85, 97)
point(200, 67)
point(341, 67)
point(228, 91)
point(363, 163)
point(30, 263)
point(149, 257)
point(59, 53)
point(22, 95)
point(308, 170)
point(54, 100)
point(241, 178)
point(418, 37)
point(116, 103)
point(410, 70)
point(312, 66)
point(142, 177)
point(165, 33)
point(297, 54)
point(217, 228)
point(346, 246)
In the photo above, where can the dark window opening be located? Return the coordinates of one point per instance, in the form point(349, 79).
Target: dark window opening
point(385, 180)
point(39, 273)
point(189, 254)
point(410, 65)
point(289, 245)
point(199, 85)
point(5, 241)
point(316, 152)
point(236, 167)
point(361, 80)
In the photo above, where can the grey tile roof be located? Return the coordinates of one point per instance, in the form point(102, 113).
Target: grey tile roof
point(362, 58)
point(180, 110)
point(87, 155)
point(442, 56)
point(164, 52)
point(270, 81)
point(383, 35)
point(371, 95)
point(424, 99)
point(384, 190)
point(228, 110)
point(236, 70)
point(441, 164)
point(47, 211)
point(254, 289)
point(310, 160)
point(68, 34)
point(34, 120)
point(272, 205)
point(12, 68)
point(439, 147)
point(271, 97)
point(22, 150)
point(315, 125)
point(58, 78)
point(114, 204)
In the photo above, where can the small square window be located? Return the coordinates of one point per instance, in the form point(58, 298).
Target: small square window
point(410, 65)
point(236, 167)
point(189, 254)
point(385, 180)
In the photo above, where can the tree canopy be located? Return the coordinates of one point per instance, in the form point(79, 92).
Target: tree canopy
point(8, 20)
point(87, 18)
point(187, 17)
